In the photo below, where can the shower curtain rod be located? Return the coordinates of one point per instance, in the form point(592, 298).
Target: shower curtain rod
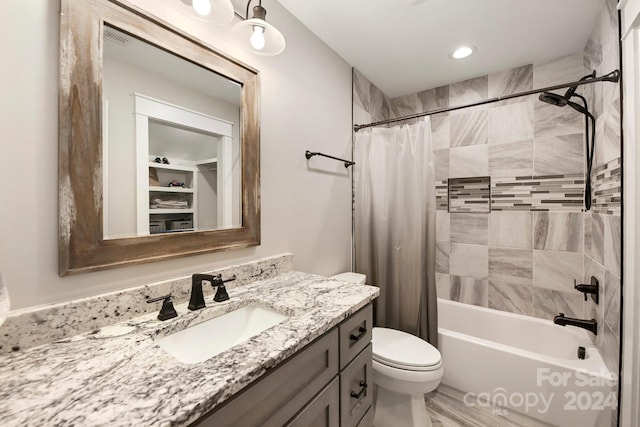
point(613, 76)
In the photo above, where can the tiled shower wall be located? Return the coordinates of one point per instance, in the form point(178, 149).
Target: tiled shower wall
point(603, 224)
point(524, 255)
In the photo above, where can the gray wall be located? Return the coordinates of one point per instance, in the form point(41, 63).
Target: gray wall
point(304, 211)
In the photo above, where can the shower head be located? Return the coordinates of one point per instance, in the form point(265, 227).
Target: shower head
point(561, 101)
point(553, 99)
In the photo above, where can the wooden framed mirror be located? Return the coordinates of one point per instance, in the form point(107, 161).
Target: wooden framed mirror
point(130, 154)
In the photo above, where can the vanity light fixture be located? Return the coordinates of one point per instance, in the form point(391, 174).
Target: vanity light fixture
point(463, 52)
point(264, 38)
point(217, 12)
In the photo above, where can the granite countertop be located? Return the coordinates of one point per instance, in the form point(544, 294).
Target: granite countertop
point(117, 375)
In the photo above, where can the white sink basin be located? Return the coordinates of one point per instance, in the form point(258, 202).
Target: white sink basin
point(204, 340)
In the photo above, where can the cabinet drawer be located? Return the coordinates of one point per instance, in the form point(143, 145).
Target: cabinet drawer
point(278, 396)
point(323, 411)
point(355, 334)
point(356, 389)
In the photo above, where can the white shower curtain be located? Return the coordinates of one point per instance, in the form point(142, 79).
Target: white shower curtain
point(395, 224)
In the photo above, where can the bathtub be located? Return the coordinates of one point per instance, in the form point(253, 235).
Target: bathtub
point(509, 362)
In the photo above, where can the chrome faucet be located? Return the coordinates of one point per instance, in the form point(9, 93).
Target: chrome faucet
point(196, 302)
point(589, 325)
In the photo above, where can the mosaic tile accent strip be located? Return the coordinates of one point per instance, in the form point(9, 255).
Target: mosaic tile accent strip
point(538, 193)
point(607, 187)
point(442, 195)
point(470, 195)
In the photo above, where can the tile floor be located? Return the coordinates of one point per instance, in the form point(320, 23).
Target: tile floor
point(447, 409)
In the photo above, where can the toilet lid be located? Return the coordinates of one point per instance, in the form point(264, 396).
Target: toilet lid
point(402, 350)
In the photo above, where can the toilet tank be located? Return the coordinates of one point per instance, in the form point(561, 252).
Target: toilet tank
point(356, 278)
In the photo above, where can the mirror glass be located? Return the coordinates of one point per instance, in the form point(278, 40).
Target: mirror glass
point(158, 141)
point(171, 142)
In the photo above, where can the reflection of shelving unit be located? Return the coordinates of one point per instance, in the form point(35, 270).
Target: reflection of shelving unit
point(170, 211)
point(159, 218)
point(170, 189)
point(219, 131)
point(212, 162)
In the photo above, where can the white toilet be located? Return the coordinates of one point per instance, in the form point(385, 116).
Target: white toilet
point(405, 368)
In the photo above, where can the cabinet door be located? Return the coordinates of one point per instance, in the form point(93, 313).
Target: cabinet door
point(367, 420)
point(356, 389)
point(278, 396)
point(355, 334)
point(323, 411)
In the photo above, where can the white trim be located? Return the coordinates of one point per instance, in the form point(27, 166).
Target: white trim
point(167, 112)
point(630, 380)
point(146, 108)
point(105, 169)
point(142, 174)
point(630, 13)
point(225, 180)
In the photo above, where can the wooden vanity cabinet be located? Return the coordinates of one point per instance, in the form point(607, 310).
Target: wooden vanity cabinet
point(328, 383)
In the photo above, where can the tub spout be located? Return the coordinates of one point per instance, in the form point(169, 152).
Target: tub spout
point(589, 325)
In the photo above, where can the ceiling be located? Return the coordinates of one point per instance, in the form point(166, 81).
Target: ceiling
point(404, 46)
point(160, 63)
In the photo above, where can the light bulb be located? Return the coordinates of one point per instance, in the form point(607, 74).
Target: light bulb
point(257, 38)
point(202, 7)
point(462, 52)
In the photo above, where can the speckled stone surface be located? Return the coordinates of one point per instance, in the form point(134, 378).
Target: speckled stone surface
point(40, 325)
point(4, 301)
point(119, 376)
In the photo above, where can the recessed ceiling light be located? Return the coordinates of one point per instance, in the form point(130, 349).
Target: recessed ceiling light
point(462, 52)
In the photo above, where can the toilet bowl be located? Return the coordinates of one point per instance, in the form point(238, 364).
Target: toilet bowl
point(405, 368)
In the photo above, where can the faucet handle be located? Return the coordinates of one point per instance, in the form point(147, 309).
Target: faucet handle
point(221, 294)
point(167, 311)
point(221, 291)
point(219, 280)
point(578, 288)
point(592, 288)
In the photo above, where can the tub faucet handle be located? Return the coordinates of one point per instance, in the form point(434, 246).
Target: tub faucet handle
point(592, 288)
point(575, 286)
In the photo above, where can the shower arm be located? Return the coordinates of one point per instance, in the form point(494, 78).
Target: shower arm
point(613, 76)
